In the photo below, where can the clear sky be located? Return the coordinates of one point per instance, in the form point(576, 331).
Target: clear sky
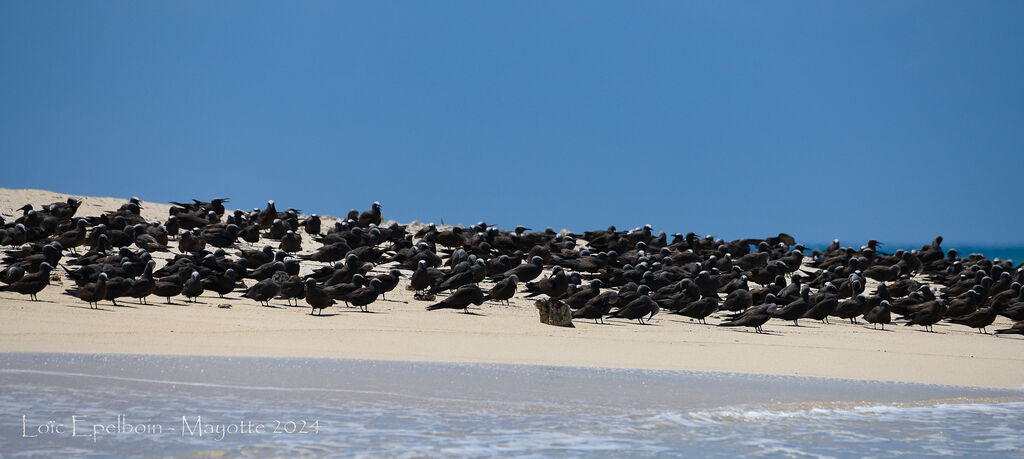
point(892, 120)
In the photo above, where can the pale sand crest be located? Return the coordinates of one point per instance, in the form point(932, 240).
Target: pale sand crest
point(400, 329)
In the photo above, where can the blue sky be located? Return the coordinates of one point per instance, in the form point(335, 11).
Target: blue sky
point(856, 120)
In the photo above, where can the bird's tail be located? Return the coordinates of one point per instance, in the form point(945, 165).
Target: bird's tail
point(1010, 331)
point(728, 324)
point(435, 306)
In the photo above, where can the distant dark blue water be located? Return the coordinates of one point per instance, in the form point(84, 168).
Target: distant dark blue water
point(187, 406)
point(1015, 253)
point(1006, 253)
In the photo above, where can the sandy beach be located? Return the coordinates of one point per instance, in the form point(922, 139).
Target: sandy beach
point(399, 329)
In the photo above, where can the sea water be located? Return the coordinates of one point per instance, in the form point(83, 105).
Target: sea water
point(1014, 253)
point(119, 405)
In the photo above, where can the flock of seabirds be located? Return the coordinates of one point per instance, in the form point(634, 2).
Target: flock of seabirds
point(601, 274)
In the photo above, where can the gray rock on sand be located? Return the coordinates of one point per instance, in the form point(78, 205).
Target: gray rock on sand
point(555, 312)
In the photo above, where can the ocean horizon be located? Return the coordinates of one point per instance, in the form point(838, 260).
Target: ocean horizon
point(1013, 252)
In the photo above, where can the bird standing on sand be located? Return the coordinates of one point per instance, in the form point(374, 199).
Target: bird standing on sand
point(371, 216)
point(316, 297)
point(192, 288)
point(503, 290)
point(980, 318)
point(597, 307)
point(312, 225)
point(754, 317)
point(461, 299)
point(553, 286)
point(291, 242)
point(881, 314)
point(92, 293)
point(927, 314)
point(700, 309)
point(642, 306)
point(825, 304)
point(167, 287)
point(794, 310)
point(738, 300)
point(364, 296)
point(119, 287)
point(388, 282)
point(264, 290)
point(31, 284)
point(526, 271)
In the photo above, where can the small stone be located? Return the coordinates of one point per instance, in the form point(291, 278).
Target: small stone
point(555, 312)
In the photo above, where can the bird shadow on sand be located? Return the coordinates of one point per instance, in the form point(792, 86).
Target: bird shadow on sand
point(921, 330)
point(687, 322)
point(356, 311)
point(123, 305)
point(888, 330)
point(765, 332)
point(330, 314)
point(91, 309)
